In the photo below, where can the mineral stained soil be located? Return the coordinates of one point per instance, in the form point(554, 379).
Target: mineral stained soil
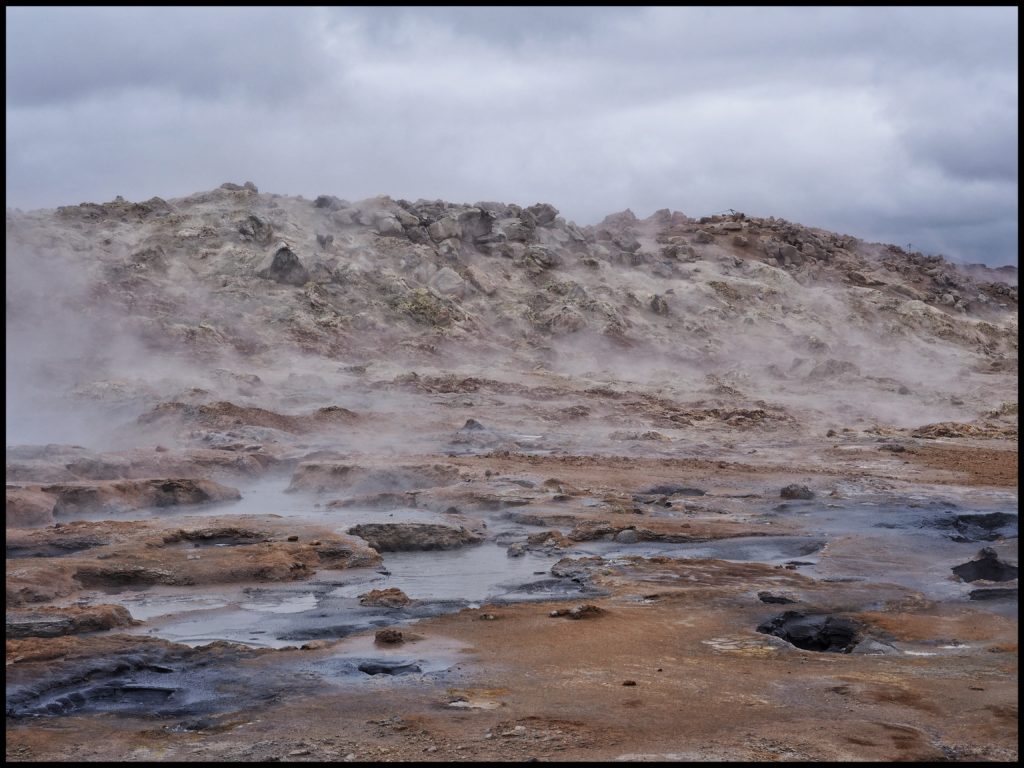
point(298, 480)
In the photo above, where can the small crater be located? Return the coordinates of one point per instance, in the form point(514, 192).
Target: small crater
point(814, 632)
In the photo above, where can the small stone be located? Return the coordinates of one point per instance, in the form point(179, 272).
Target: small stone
point(627, 536)
point(768, 597)
point(795, 491)
point(293, 538)
point(389, 636)
point(629, 683)
point(392, 597)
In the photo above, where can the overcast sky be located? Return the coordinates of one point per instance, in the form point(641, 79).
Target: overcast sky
point(892, 124)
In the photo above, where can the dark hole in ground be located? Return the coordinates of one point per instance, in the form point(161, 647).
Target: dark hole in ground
point(814, 632)
point(768, 597)
point(994, 593)
point(389, 667)
point(987, 567)
point(981, 527)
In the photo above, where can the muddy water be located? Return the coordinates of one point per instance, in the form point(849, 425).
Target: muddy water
point(327, 606)
point(866, 537)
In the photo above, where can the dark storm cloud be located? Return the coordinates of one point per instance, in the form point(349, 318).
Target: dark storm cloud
point(898, 125)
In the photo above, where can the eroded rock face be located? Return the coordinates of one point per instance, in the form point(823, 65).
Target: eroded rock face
point(408, 537)
point(50, 621)
point(122, 495)
point(27, 508)
point(116, 555)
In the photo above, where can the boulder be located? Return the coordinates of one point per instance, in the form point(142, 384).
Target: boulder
point(285, 268)
point(444, 228)
point(329, 202)
point(543, 213)
point(448, 282)
point(388, 225)
point(256, 229)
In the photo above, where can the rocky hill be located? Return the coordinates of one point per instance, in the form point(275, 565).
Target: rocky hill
point(146, 301)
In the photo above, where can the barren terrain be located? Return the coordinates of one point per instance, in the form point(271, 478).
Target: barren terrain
point(298, 479)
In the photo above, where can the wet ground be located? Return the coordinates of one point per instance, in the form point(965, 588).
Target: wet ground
point(857, 572)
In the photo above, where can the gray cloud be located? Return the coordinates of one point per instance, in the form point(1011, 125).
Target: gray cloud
point(897, 125)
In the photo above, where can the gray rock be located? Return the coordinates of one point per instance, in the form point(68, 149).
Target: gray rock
point(476, 224)
point(329, 202)
point(873, 647)
point(450, 249)
point(788, 254)
point(543, 258)
point(516, 550)
point(256, 229)
point(406, 219)
point(515, 230)
point(703, 236)
point(627, 536)
point(389, 225)
point(543, 213)
point(442, 229)
point(409, 537)
point(447, 282)
point(659, 306)
point(286, 268)
point(795, 491)
point(627, 241)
